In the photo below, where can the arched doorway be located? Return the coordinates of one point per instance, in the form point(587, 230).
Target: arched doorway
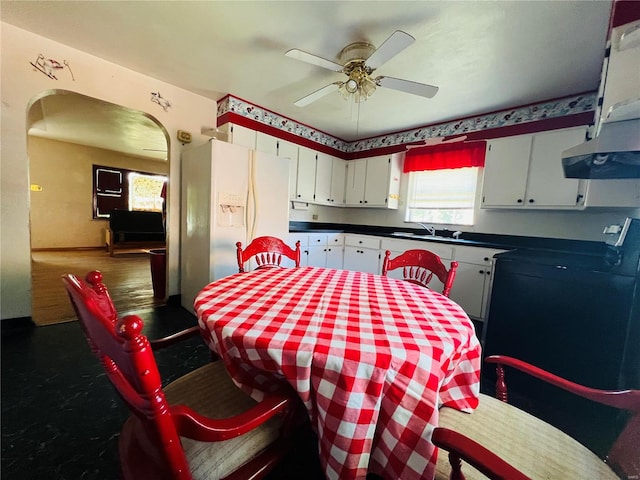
point(68, 133)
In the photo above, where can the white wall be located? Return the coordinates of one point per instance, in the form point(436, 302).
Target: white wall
point(60, 213)
point(21, 84)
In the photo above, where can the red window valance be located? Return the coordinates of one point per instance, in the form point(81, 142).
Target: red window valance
point(442, 157)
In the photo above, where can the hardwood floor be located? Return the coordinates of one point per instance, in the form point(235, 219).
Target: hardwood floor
point(127, 275)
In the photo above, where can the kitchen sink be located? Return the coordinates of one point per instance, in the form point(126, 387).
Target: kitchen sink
point(424, 237)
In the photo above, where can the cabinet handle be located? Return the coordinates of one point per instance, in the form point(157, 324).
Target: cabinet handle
point(531, 200)
point(366, 201)
point(360, 241)
point(480, 271)
point(519, 200)
point(486, 259)
point(488, 272)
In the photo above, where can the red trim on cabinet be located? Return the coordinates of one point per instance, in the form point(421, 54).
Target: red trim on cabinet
point(624, 11)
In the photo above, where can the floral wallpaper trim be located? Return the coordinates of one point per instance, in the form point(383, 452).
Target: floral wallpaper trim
point(530, 113)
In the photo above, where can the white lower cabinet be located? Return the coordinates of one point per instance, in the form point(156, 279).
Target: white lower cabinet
point(291, 240)
point(473, 279)
point(362, 253)
point(325, 250)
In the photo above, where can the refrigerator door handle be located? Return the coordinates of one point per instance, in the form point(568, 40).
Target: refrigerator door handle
point(252, 200)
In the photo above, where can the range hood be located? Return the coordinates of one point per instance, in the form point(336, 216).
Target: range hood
point(614, 152)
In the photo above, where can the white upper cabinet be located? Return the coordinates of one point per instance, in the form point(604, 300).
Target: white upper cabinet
point(266, 143)
point(324, 165)
point(374, 181)
point(330, 180)
point(547, 185)
point(525, 171)
point(306, 175)
point(338, 181)
point(239, 135)
point(354, 189)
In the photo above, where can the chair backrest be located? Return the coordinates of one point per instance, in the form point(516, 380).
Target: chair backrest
point(624, 455)
point(268, 252)
point(130, 365)
point(419, 267)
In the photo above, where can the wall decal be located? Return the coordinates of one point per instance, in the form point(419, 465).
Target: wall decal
point(163, 102)
point(49, 65)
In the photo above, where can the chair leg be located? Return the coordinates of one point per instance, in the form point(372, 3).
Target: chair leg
point(456, 467)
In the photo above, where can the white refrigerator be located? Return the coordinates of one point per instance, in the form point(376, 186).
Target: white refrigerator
point(229, 194)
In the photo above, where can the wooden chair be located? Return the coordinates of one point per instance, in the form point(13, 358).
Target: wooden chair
point(199, 426)
point(419, 266)
point(504, 442)
point(268, 252)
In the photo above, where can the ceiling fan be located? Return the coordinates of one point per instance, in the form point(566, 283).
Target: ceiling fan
point(358, 61)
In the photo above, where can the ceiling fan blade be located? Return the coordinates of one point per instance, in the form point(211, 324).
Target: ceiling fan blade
point(318, 94)
point(392, 46)
point(314, 60)
point(421, 89)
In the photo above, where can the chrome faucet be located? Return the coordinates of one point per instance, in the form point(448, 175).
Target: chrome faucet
point(429, 228)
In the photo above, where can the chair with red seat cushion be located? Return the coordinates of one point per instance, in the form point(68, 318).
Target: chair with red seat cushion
point(267, 252)
point(419, 267)
point(199, 426)
point(500, 441)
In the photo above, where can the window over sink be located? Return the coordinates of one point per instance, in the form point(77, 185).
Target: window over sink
point(442, 181)
point(442, 196)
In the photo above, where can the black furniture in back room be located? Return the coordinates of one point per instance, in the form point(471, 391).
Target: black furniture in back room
point(574, 314)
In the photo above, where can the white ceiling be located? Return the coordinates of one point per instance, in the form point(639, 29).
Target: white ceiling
point(484, 55)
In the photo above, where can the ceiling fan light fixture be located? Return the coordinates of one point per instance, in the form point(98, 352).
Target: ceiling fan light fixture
point(368, 87)
point(351, 86)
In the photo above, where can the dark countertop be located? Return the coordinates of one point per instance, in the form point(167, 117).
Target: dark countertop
point(473, 239)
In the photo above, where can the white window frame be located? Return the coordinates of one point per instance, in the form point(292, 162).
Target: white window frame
point(445, 206)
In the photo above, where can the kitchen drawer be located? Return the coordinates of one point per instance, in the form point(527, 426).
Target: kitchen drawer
point(476, 255)
point(362, 241)
point(292, 238)
point(335, 239)
point(317, 239)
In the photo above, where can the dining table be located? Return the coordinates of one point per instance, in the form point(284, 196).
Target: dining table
point(371, 357)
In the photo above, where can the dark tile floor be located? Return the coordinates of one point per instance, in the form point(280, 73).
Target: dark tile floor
point(61, 417)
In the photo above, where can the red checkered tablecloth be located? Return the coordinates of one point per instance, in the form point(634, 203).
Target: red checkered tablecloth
point(373, 358)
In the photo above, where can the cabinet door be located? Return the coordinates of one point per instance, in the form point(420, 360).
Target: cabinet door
point(505, 171)
point(376, 188)
point(266, 143)
point(468, 287)
point(338, 181)
point(306, 179)
point(324, 166)
point(243, 136)
point(290, 150)
point(547, 185)
point(317, 256)
point(362, 259)
point(335, 256)
point(354, 187)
